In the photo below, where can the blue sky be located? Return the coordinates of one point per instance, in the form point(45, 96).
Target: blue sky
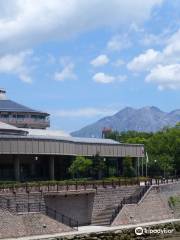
point(82, 60)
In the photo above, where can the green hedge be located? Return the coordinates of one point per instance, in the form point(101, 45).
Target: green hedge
point(6, 184)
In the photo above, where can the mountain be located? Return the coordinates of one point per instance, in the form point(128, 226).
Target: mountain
point(147, 119)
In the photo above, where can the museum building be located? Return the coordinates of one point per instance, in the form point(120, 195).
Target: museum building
point(29, 151)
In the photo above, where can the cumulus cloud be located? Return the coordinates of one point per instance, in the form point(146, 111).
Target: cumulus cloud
point(162, 67)
point(173, 47)
point(149, 39)
point(27, 22)
point(144, 61)
point(101, 77)
point(67, 73)
point(84, 112)
point(100, 60)
point(118, 43)
point(167, 76)
point(16, 64)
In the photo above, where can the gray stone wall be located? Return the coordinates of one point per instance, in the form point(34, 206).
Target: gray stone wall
point(78, 207)
point(12, 225)
point(110, 197)
point(85, 207)
point(153, 207)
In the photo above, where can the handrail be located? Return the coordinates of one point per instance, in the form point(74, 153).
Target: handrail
point(7, 202)
point(29, 207)
point(39, 207)
point(53, 213)
point(78, 186)
point(129, 200)
point(86, 185)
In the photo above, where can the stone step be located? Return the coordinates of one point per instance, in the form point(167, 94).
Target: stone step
point(101, 223)
point(103, 216)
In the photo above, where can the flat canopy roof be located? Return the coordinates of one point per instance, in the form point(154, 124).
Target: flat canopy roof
point(70, 139)
point(69, 146)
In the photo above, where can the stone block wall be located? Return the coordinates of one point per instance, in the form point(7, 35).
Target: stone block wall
point(153, 207)
point(12, 225)
point(34, 199)
point(111, 197)
point(75, 206)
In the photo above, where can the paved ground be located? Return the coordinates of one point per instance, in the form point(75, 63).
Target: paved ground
point(91, 229)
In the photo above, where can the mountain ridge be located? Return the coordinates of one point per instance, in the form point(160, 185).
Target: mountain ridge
point(146, 119)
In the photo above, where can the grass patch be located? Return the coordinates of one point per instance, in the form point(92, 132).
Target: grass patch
point(174, 201)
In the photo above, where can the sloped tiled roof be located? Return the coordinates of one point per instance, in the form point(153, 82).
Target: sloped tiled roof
point(10, 106)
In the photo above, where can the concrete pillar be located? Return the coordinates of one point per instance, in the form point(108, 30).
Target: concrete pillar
point(119, 166)
point(33, 169)
point(51, 168)
point(17, 168)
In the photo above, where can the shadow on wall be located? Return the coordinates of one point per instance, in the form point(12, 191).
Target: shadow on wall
point(76, 206)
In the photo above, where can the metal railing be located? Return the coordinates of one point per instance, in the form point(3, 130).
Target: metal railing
point(134, 199)
point(5, 203)
point(38, 207)
point(62, 218)
point(29, 207)
point(59, 187)
point(80, 186)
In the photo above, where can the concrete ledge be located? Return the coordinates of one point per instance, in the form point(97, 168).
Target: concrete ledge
point(94, 229)
point(66, 193)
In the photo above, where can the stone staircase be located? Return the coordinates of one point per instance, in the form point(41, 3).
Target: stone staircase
point(152, 207)
point(106, 200)
point(103, 219)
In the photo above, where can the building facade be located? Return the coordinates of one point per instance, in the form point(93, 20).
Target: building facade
point(26, 156)
point(21, 116)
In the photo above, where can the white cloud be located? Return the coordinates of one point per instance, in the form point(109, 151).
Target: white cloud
point(100, 60)
point(162, 66)
point(149, 39)
point(105, 78)
point(84, 112)
point(173, 47)
point(16, 64)
point(144, 61)
point(118, 43)
point(27, 22)
point(66, 74)
point(167, 76)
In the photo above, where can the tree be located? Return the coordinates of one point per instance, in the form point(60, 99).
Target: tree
point(128, 170)
point(80, 167)
point(162, 146)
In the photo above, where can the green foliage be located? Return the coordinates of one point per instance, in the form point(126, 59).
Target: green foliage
point(162, 146)
point(128, 168)
point(80, 166)
point(80, 181)
point(129, 136)
point(174, 200)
